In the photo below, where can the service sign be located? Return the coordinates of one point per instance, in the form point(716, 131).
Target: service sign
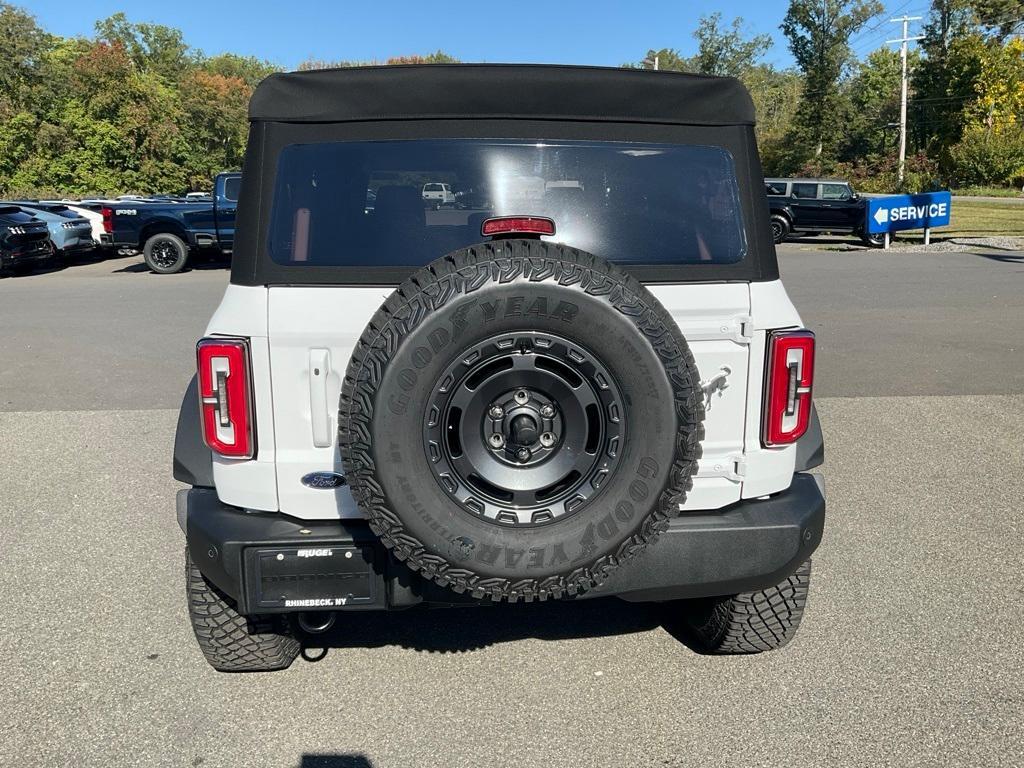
point(923, 211)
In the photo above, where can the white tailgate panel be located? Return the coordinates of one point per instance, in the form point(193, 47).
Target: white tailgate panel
point(310, 327)
point(713, 318)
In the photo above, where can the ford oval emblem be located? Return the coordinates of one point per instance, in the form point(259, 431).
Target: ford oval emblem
point(323, 480)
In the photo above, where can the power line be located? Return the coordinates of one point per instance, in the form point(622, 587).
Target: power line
point(880, 23)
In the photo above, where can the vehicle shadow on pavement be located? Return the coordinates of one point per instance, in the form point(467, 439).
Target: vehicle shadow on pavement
point(1013, 257)
point(335, 761)
point(140, 266)
point(61, 264)
point(460, 629)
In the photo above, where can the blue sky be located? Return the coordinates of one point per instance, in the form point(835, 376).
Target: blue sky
point(556, 31)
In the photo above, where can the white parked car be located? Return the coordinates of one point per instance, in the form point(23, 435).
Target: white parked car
point(438, 195)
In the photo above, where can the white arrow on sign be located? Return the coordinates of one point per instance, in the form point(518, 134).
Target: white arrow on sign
point(882, 215)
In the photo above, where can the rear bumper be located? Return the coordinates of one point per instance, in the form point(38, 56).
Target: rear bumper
point(25, 254)
point(749, 546)
point(78, 245)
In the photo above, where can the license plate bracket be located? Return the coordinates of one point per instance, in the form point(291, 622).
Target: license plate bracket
point(320, 577)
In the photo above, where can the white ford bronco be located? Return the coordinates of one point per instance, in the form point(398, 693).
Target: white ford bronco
point(584, 381)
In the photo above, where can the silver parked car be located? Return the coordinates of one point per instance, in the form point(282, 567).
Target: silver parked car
point(70, 233)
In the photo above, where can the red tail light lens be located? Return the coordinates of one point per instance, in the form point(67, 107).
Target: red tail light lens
point(517, 225)
point(225, 397)
point(787, 410)
point(108, 219)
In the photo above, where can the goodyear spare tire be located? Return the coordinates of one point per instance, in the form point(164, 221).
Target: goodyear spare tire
point(518, 419)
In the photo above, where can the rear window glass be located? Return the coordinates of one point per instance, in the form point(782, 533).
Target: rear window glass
point(361, 204)
point(775, 188)
point(12, 215)
point(232, 186)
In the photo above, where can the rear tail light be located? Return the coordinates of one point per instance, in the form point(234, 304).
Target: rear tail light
point(517, 225)
point(787, 410)
point(108, 219)
point(225, 397)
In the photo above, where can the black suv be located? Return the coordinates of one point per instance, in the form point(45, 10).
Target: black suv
point(812, 206)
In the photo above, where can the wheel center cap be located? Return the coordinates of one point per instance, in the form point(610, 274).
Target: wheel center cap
point(525, 430)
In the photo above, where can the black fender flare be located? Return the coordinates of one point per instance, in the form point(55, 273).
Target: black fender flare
point(810, 449)
point(193, 460)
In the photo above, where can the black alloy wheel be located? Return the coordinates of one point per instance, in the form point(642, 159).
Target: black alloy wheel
point(165, 253)
point(527, 433)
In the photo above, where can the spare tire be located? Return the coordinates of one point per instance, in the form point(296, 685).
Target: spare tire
point(518, 419)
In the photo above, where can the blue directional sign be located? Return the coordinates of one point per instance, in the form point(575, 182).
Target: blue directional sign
point(923, 211)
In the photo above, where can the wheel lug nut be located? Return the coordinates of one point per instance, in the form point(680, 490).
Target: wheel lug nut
point(523, 454)
point(547, 439)
point(522, 397)
point(496, 440)
point(547, 411)
point(496, 412)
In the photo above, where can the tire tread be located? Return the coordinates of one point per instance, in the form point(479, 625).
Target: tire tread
point(229, 641)
point(754, 622)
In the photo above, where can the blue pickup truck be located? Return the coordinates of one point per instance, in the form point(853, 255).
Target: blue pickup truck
point(168, 232)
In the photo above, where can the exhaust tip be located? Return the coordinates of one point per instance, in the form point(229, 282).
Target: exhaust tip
point(316, 622)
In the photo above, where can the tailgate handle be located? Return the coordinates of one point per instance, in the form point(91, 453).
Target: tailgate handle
point(319, 367)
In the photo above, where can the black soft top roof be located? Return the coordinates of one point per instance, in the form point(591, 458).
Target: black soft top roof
point(528, 91)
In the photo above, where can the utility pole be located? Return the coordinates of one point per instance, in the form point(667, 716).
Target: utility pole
point(905, 20)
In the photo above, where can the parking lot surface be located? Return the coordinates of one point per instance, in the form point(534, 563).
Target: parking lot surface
point(908, 654)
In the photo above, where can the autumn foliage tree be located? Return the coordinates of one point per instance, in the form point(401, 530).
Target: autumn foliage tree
point(134, 108)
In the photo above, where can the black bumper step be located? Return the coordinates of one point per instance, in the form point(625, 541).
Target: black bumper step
point(751, 545)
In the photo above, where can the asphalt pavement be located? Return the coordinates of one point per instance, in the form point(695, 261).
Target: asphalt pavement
point(908, 655)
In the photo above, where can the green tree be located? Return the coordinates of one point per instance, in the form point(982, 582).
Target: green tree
point(725, 51)
point(1002, 18)
point(668, 59)
point(24, 45)
point(215, 125)
point(248, 69)
point(1000, 88)
point(720, 50)
point(153, 47)
point(874, 100)
point(985, 157)
point(819, 34)
point(946, 77)
point(776, 96)
point(438, 57)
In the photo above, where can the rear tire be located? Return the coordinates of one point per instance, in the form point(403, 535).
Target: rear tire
point(751, 622)
point(165, 253)
point(232, 642)
point(780, 227)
